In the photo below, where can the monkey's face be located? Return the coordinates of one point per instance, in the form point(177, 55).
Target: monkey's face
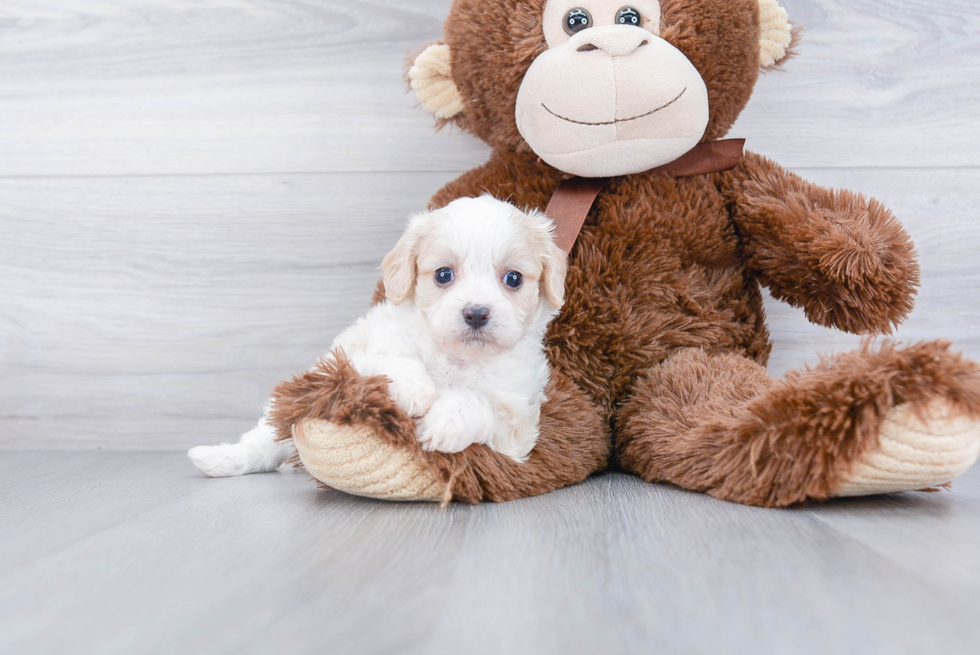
point(600, 88)
point(609, 96)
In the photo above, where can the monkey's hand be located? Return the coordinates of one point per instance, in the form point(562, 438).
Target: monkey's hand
point(841, 257)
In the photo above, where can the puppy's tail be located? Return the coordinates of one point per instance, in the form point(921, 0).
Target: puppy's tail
point(256, 452)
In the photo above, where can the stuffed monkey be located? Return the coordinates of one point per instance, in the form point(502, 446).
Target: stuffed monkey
point(658, 358)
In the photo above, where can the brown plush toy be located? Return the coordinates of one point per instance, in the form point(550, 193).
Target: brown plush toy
point(658, 358)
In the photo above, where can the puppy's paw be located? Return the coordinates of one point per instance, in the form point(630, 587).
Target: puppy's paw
point(224, 461)
point(444, 429)
point(413, 395)
point(516, 445)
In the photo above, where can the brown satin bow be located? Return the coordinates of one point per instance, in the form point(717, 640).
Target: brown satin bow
point(570, 205)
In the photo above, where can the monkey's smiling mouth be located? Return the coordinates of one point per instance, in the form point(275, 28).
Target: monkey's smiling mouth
point(618, 120)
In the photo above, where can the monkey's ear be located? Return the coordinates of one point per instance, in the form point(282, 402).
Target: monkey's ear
point(777, 34)
point(431, 77)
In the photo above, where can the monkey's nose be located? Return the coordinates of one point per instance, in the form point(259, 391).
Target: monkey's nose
point(614, 40)
point(476, 316)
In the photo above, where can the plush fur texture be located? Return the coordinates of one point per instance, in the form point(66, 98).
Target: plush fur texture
point(464, 383)
point(467, 380)
point(849, 263)
point(334, 391)
point(773, 443)
point(662, 343)
point(494, 43)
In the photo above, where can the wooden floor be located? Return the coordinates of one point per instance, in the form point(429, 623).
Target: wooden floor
point(137, 553)
point(194, 198)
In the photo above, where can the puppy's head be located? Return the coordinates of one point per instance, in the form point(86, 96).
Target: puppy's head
point(481, 272)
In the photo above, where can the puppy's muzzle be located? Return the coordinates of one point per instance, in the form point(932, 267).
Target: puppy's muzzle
point(476, 316)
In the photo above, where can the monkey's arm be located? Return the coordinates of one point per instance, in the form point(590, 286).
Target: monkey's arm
point(841, 257)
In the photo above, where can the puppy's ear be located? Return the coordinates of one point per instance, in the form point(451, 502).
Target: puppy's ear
point(400, 266)
point(553, 259)
point(553, 276)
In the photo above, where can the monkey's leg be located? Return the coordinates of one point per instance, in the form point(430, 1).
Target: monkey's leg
point(351, 436)
point(869, 421)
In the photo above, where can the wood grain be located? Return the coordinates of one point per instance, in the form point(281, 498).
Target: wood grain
point(155, 558)
point(158, 312)
point(108, 87)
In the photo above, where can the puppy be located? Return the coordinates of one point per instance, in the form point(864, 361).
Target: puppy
point(470, 290)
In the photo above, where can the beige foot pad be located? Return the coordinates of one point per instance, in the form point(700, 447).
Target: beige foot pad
point(914, 454)
point(355, 461)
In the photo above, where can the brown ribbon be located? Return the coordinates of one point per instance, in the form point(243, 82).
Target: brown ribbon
point(572, 201)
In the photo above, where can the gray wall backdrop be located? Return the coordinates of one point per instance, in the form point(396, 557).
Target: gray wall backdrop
point(194, 196)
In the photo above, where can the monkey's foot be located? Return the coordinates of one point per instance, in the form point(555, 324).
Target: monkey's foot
point(355, 460)
point(916, 450)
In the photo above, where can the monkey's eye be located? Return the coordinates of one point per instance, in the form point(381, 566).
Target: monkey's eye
point(629, 16)
point(444, 276)
point(513, 279)
point(577, 20)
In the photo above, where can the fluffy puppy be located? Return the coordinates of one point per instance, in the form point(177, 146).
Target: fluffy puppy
point(470, 291)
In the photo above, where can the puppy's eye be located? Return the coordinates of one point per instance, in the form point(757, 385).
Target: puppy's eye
point(577, 20)
point(629, 16)
point(513, 279)
point(444, 276)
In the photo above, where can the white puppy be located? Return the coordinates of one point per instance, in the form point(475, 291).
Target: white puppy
point(470, 291)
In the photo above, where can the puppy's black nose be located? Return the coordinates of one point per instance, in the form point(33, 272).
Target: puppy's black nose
point(476, 317)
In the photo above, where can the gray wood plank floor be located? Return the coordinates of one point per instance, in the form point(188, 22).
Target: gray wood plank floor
point(135, 553)
point(194, 197)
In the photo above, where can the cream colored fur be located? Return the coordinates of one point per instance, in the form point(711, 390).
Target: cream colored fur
point(777, 33)
point(432, 80)
point(463, 383)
